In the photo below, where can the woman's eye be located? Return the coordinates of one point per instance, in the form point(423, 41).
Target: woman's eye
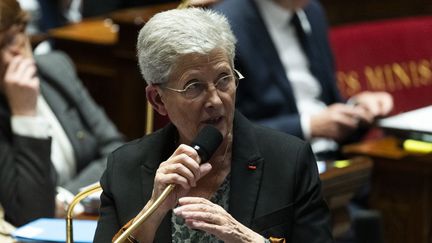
point(224, 81)
point(194, 86)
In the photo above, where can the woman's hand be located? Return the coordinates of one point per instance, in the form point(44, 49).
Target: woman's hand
point(21, 86)
point(201, 214)
point(183, 170)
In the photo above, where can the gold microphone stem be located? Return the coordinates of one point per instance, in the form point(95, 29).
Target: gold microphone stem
point(122, 238)
point(80, 196)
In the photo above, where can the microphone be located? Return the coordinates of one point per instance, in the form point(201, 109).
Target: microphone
point(205, 143)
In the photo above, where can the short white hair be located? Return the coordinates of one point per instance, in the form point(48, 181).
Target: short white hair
point(173, 33)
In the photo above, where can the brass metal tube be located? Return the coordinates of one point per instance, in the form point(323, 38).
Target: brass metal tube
point(69, 215)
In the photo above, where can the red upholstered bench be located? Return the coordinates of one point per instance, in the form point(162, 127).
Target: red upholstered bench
point(391, 55)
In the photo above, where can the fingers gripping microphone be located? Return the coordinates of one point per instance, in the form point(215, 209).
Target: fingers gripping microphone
point(205, 143)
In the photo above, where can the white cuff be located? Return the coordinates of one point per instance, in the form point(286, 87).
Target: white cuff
point(305, 123)
point(66, 197)
point(36, 127)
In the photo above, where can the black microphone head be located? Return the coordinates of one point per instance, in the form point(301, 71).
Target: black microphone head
point(206, 142)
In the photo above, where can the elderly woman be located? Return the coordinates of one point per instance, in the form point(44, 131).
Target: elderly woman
point(51, 131)
point(259, 185)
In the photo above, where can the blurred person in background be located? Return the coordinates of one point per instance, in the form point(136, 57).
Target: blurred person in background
point(54, 139)
point(284, 51)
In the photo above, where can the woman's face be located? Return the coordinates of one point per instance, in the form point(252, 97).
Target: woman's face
point(213, 107)
point(13, 43)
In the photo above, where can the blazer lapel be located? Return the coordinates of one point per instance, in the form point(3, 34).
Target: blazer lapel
point(68, 118)
point(56, 102)
point(246, 170)
point(313, 49)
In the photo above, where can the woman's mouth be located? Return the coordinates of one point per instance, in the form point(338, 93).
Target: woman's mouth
point(214, 121)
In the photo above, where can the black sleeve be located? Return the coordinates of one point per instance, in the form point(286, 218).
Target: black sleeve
point(312, 223)
point(108, 223)
point(27, 187)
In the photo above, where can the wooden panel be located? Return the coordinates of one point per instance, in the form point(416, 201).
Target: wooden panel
point(401, 189)
point(339, 186)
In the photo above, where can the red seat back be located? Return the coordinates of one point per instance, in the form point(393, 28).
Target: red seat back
point(391, 55)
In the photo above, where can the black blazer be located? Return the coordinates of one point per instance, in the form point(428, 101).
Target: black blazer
point(281, 198)
point(265, 95)
point(27, 178)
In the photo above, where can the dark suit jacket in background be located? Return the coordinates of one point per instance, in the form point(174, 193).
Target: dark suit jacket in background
point(97, 7)
point(265, 95)
point(27, 185)
point(281, 198)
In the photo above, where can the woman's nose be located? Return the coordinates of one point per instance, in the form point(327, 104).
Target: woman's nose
point(213, 97)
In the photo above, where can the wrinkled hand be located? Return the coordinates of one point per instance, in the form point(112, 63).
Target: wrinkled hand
point(377, 103)
point(338, 121)
point(181, 169)
point(21, 86)
point(201, 214)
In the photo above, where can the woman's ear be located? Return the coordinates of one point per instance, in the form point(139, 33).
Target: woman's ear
point(155, 100)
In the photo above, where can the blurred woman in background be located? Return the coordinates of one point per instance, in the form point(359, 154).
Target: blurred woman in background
point(51, 132)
